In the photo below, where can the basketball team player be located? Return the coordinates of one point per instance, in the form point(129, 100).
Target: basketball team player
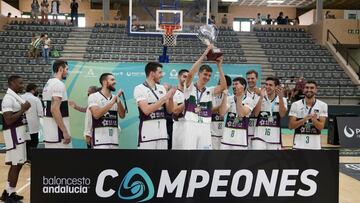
point(152, 101)
point(178, 112)
point(235, 136)
point(106, 109)
point(15, 131)
point(252, 92)
point(56, 111)
point(270, 108)
point(198, 103)
point(308, 116)
point(217, 119)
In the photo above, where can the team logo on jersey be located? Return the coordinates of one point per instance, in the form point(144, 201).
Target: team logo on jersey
point(134, 189)
point(347, 133)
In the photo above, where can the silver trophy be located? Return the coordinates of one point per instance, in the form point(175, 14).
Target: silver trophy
point(208, 35)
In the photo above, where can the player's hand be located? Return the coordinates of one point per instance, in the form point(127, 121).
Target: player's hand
point(25, 106)
point(219, 60)
point(239, 90)
point(88, 140)
point(307, 117)
point(167, 86)
point(263, 91)
point(209, 47)
point(169, 94)
point(313, 116)
point(119, 93)
point(258, 91)
point(67, 138)
point(279, 91)
point(72, 104)
point(226, 91)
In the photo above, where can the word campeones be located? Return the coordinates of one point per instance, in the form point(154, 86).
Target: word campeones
point(56, 185)
point(224, 183)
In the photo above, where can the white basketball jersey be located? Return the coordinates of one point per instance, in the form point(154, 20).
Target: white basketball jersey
point(217, 121)
point(235, 130)
point(105, 129)
point(55, 88)
point(268, 122)
point(252, 119)
point(307, 136)
point(16, 133)
point(152, 127)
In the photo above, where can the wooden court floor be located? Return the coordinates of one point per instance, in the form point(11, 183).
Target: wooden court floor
point(348, 187)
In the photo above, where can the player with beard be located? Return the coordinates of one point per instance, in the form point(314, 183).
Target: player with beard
point(270, 108)
point(198, 103)
point(217, 117)
point(239, 105)
point(252, 92)
point(15, 134)
point(153, 101)
point(308, 116)
point(178, 112)
point(56, 111)
point(105, 109)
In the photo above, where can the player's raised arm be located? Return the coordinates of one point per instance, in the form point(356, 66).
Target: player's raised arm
point(222, 86)
point(195, 67)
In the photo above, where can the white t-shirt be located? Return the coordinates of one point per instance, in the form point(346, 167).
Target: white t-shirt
point(105, 129)
point(16, 133)
point(268, 123)
point(152, 127)
point(307, 136)
point(34, 113)
point(198, 104)
point(55, 88)
point(252, 120)
point(235, 130)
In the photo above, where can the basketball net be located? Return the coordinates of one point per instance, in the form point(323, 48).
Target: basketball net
point(169, 37)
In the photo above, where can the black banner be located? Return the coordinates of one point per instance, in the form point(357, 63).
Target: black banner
point(105, 176)
point(349, 131)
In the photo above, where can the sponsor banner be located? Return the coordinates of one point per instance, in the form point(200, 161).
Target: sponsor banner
point(351, 169)
point(349, 131)
point(105, 176)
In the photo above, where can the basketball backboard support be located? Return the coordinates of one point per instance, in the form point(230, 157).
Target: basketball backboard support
point(145, 16)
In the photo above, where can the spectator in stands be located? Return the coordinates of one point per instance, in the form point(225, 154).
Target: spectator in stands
point(212, 20)
point(290, 84)
point(328, 15)
point(224, 20)
point(280, 19)
point(74, 12)
point(38, 45)
point(258, 19)
point(9, 15)
point(46, 47)
point(203, 18)
point(268, 20)
point(299, 88)
point(35, 10)
point(296, 21)
point(44, 11)
point(197, 17)
point(32, 49)
point(55, 9)
point(286, 20)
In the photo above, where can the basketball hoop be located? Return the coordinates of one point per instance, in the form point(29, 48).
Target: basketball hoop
point(169, 37)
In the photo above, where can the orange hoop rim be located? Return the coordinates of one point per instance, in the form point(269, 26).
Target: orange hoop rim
point(170, 28)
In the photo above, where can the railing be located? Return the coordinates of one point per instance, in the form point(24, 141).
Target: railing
point(349, 59)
